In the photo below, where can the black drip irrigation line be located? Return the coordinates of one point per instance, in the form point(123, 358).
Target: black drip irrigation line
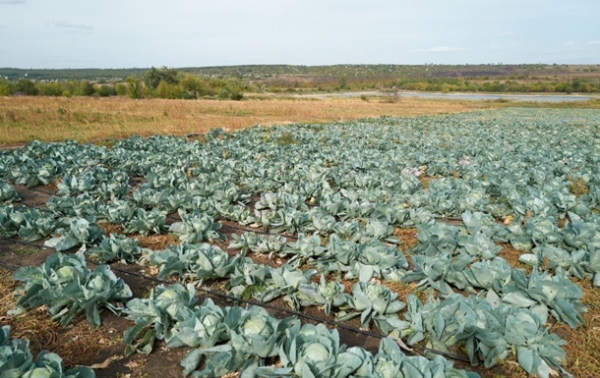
point(8, 266)
point(178, 219)
point(441, 219)
point(254, 303)
point(239, 228)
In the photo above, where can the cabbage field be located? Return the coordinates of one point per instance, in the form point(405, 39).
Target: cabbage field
point(317, 218)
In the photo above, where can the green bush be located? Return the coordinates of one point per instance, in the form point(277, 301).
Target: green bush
point(27, 87)
point(106, 90)
point(134, 88)
point(168, 90)
point(5, 89)
point(121, 89)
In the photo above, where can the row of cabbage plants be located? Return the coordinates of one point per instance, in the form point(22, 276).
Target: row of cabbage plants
point(373, 302)
point(230, 338)
point(233, 338)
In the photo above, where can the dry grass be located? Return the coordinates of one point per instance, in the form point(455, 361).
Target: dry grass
point(408, 236)
point(157, 242)
point(425, 180)
point(23, 119)
point(577, 186)
point(583, 344)
point(76, 344)
point(582, 347)
point(110, 228)
point(404, 289)
point(511, 255)
point(348, 284)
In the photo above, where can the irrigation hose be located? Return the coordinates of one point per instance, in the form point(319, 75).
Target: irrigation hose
point(178, 219)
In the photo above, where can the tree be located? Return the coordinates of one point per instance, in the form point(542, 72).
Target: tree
point(86, 88)
point(134, 87)
point(154, 76)
point(27, 87)
point(166, 90)
point(121, 89)
point(5, 88)
point(105, 90)
point(194, 85)
point(51, 89)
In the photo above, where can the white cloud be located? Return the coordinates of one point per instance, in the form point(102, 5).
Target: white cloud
point(440, 50)
point(593, 43)
point(70, 25)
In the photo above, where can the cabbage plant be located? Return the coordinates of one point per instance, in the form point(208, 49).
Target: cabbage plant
point(145, 222)
point(315, 351)
point(204, 327)
point(116, 247)
point(488, 329)
point(67, 287)
point(80, 232)
point(117, 211)
point(97, 181)
point(16, 360)
point(8, 192)
point(155, 316)
point(82, 205)
point(391, 362)
point(29, 223)
point(196, 227)
point(196, 262)
point(254, 335)
point(324, 294)
point(373, 302)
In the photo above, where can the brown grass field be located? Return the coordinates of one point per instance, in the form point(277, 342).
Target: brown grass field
point(87, 119)
point(23, 119)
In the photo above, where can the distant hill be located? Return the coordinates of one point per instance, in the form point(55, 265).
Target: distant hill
point(350, 71)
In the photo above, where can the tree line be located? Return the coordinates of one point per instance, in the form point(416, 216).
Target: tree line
point(232, 83)
point(155, 83)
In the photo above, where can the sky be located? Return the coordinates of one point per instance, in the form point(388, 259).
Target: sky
point(197, 33)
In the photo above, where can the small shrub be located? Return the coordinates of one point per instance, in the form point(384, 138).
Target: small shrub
point(236, 96)
point(121, 89)
point(105, 90)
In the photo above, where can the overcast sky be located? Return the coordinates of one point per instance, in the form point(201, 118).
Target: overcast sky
point(184, 33)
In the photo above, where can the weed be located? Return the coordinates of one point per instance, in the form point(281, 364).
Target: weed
point(578, 186)
point(24, 250)
point(286, 138)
